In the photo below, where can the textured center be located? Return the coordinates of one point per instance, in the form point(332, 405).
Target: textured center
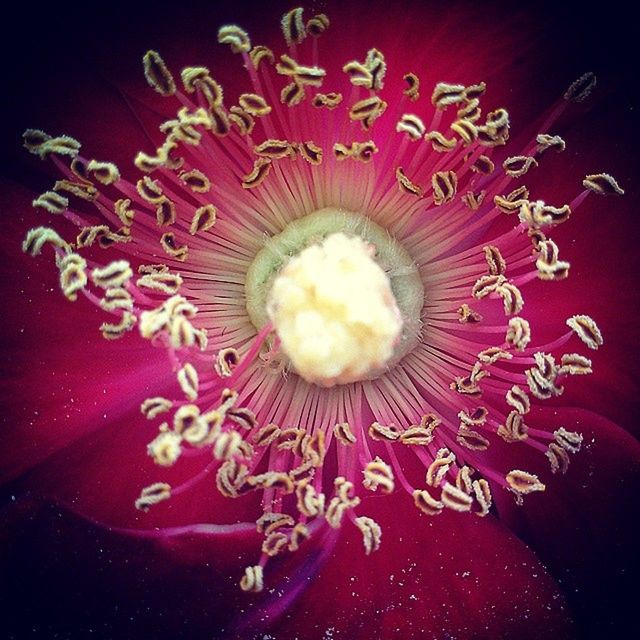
point(334, 311)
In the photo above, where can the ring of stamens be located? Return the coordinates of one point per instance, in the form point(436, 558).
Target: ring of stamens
point(270, 434)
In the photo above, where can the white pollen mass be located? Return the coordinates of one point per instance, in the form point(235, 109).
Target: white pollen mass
point(334, 312)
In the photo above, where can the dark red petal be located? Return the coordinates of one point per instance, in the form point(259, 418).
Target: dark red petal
point(583, 526)
point(452, 576)
point(449, 576)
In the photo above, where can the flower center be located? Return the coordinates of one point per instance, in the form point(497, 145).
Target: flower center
point(343, 296)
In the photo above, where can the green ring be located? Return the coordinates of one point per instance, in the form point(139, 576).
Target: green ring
point(401, 269)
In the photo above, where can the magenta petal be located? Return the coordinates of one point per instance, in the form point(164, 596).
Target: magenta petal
point(452, 576)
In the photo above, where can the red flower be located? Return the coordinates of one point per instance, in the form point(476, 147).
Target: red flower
point(362, 355)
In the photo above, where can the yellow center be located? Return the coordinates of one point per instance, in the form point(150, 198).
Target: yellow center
point(334, 311)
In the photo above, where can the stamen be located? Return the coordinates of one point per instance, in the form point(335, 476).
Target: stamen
point(204, 219)
point(603, 184)
point(170, 246)
point(486, 285)
point(580, 89)
point(518, 333)
point(260, 53)
point(440, 466)
point(328, 100)
point(411, 125)
point(455, 499)
point(123, 210)
point(518, 399)
point(292, 94)
point(512, 202)
point(568, 440)
point(254, 104)
point(483, 164)
point(491, 355)
point(274, 543)
point(546, 141)
point(379, 431)
point(511, 297)
point(42, 144)
point(362, 151)
point(165, 449)
point(267, 435)
point(311, 152)
point(168, 283)
point(165, 212)
point(51, 201)
point(153, 494)
point(157, 74)
point(150, 190)
point(81, 190)
point(115, 299)
point(343, 434)
point(495, 261)
point(271, 521)
point(152, 407)
point(112, 331)
point(427, 503)
point(244, 121)
point(523, 482)
point(259, 173)
point(73, 277)
point(293, 27)
point(226, 361)
point(482, 492)
point(378, 473)
point(252, 579)
point(196, 180)
point(439, 142)
point(574, 364)
point(466, 131)
point(587, 330)
point(514, 429)
point(236, 37)
point(358, 74)
point(368, 110)
point(468, 315)
point(317, 25)
point(471, 439)
point(445, 185)
point(517, 166)
point(420, 435)
point(445, 94)
point(371, 533)
point(558, 458)
point(405, 184)
point(115, 274)
point(309, 502)
point(33, 139)
point(188, 381)
point(105, 172)
point(413, 89)
point(275, 149)
point(376, 64)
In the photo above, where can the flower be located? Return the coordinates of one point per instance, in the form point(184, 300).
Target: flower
point(406, 405)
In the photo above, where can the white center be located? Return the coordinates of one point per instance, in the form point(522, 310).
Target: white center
point(334, 312)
